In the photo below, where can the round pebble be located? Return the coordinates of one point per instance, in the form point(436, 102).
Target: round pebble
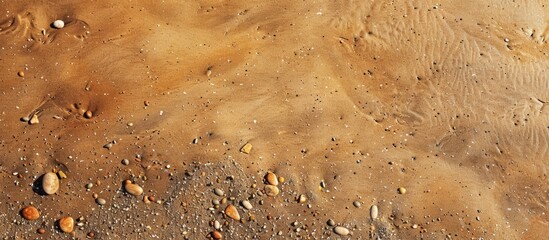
point(58, 24)
point(41, 231)
point(50, 183)
point(132, 188)
point(271, 190)
point(357, 204)
point(374, 212)
point(219, 192)
point(89, 185)
point(217, 225)
point(30, 213)
point(302, 198)
point(232, 212)
point(216, 235)
point(88, 114)
point(125, 161)
point(401, 190)
point(271, 178)
point(21, 74)
point(341, 231)
point(247, 204)
point(66, 224)
point(331, 222)
point(101, 201)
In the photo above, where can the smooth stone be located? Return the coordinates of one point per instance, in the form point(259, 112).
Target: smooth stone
point(341, 231)
point(331, 222)
point(132, 188)
point(66, 224)
point(271, 190)
point(246, 204)
point(89, 185)
point(34, 120)
point(101, 201)
point(217, 225)
point(374, 212)
point(125, 161)
point(302, 198)
point(247, 148)
point(232, 212)
point(88, 114)
point(25, 119)
point(271, 178)
point(30, 213)
point(58, 24)
point(219, 192)
point(216, 235)
point(50, 183)
point(357, 204)
point(21, 74)
point(401, 190)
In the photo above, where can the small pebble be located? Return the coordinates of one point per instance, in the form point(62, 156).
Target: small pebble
point(374, 212)
point(331, 222)
point(88, 114)
point(217, 225)
point(66, 224)
point(21, 74)
point(401, 190)
point(341, 231)
point(271, 190)
point(50, 183)
point(247, 148)
point(41, 231)
point(302, 198)
point(89, 185)
point(132, 188)
point(62, 174)
point(91, 234)
point(216, 235)
point(30, 213)
point(232, 212)
point(247, 204)
point(108, 146)
point(357, 204)
point(271, 178)
point(219, 192)
point(125, 161)
point(101, 201)
point(25, 119)
point(34, 120)
point(58, 24)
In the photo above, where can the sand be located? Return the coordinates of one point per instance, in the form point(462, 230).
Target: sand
point(348, 101)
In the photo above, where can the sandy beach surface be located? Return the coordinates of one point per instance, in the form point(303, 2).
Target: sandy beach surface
point(352, 119)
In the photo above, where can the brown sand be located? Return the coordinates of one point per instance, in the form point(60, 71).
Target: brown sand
point(444, 98)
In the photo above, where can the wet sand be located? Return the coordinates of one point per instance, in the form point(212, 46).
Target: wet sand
point(348, 101)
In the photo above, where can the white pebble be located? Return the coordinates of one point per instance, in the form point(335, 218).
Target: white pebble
point(58, 24)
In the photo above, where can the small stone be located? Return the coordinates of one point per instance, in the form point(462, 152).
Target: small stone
point(247, 148)
point(271, 178)
point(357, 204)
point(271, 190)
point(58, 24)
point(331, 222)
point(50, 183)
point(341, 231)
point(302, 198)
point(132, 188)
point(66, 224)
point(62, 174)
point(217, 225)
point(89, 185)
point(414, 226)
point(25, 119)
point(146, 199)
point(125, 161)
point(219, 192)
point(91, 234)
point(30, 213)
point(101, 201)
point(401, 190)
point(232, 212)
point(88, 114)
point(41, 231)
point(246, 204)
point(216, 235)
point(281, 179)
point(34, 120)
point(108, 146)
point(374, 212)
point(21, 74)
